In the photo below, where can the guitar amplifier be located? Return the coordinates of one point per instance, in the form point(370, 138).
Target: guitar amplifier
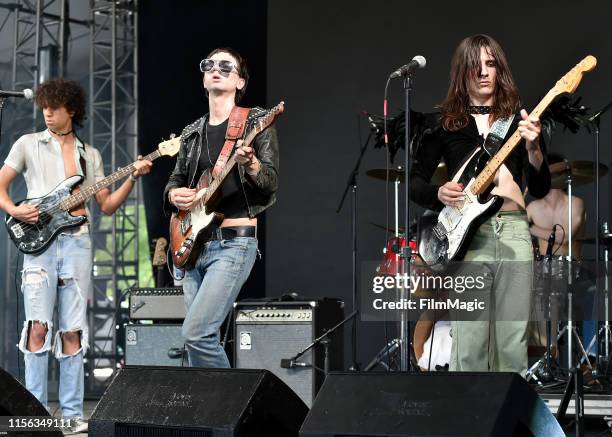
point(155, 345)
point(268, 332)
point(157, 304)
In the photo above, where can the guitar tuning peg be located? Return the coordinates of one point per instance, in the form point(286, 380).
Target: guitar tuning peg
point(172, 136)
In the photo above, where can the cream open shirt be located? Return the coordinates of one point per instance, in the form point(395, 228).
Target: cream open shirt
point(39, 157)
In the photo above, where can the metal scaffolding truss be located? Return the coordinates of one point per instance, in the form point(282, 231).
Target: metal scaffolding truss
point(113, 130)
point(35, 23)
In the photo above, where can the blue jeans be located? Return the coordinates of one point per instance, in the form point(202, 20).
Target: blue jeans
point(63, 273)
point(210, 289)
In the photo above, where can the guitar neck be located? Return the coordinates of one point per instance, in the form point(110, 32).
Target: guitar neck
point(86, 192)
point(486, 176)
point(229, 166)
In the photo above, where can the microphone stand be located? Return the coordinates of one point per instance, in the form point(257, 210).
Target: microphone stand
point(352, 185)
point(406, 253)
point(595, 122)
point(325, 341)
point(2, 99)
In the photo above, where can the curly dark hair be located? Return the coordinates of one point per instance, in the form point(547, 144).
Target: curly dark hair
point(55, 93)
point(243, 70)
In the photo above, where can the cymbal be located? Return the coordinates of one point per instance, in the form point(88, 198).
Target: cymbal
point(384, 228)
point(381, 174)
point(582, 173)
point(439, 177)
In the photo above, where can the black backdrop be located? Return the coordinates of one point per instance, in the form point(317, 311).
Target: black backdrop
point(328, 61)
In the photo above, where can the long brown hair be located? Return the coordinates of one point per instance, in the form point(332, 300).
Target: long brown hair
point(465, 66)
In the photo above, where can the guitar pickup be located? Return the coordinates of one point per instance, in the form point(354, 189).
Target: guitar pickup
point(186, 223)
point(17, 230)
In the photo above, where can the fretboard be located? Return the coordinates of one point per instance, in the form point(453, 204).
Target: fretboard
point(88, 191)
point(486, 176)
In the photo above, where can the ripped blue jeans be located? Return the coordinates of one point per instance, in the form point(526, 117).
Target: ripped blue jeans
point(61, 273)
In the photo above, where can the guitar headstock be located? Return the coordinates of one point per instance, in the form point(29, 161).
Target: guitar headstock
point(270, 117)
point(569, 82)
point(170, 147)
point(159, 254)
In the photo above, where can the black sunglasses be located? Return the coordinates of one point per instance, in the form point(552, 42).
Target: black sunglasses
point(207, 65)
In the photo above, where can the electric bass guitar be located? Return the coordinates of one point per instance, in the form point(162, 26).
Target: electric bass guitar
point(447, 238)
point(54, 209)
point(190, 229)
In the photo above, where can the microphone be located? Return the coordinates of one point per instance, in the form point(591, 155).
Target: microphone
point(551, 241)
point(25, 94)
point(417, 62)
point(289, 363)
point(371, 121)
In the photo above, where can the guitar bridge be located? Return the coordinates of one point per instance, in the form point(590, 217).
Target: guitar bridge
point(186, 223)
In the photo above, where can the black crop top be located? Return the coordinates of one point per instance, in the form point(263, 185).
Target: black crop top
point(232, 203)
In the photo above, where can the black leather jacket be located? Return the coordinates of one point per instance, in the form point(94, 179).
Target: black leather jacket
point(259, 192)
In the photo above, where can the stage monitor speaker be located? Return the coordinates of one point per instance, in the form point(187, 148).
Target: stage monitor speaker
point(428, 404)
point(167, 401)
point(268, 332)
point(155, 345)
point(17, 401)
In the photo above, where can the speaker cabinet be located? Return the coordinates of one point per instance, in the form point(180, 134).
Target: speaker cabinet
point(428, 404)
point(155, 345)
point(17, 401)
point(268, 332)
point(167, 401)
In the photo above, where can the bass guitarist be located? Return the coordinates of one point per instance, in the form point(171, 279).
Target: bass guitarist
point(62, 272)
point(482, 91)
point(225, 262)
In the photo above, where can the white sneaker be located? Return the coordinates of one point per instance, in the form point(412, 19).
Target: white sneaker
point(79, 426)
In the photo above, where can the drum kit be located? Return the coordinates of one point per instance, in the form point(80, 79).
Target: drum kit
point(564, 273)
point(564, 175)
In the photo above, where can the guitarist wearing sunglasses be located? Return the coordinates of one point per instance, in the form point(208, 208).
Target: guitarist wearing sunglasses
point(481, 92)
point(212, 282)
point(62, 272)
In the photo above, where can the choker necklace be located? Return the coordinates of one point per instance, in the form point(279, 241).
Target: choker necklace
point(59, 134)
point(479, 109)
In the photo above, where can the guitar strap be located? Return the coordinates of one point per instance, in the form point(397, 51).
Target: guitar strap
point(235, 130)
point(496, 135)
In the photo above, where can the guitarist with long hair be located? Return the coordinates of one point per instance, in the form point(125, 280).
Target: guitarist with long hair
point(224, 263)
point(481, 92)
point(62, 272)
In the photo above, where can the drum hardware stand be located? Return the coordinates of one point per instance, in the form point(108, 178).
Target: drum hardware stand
point(606, 329)
point(383, 355)
point(575, 380)
point(594, 121)
point(572, 334)
point(352, 185)
point(574, 385)
point(543, 367)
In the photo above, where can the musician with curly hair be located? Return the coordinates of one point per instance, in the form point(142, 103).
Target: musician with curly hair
point(62, 272)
